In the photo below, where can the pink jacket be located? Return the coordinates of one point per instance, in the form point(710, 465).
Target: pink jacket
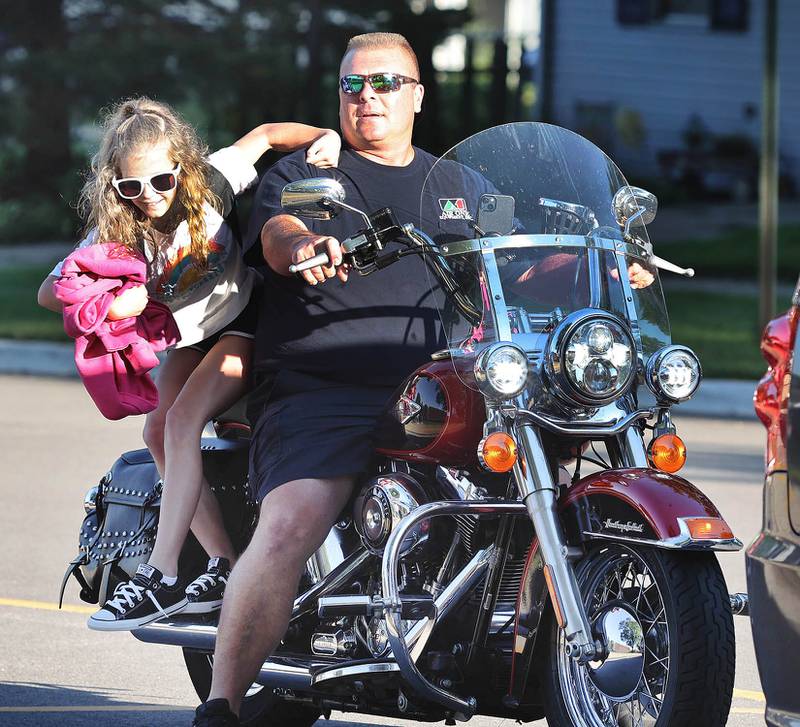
point(113, 357)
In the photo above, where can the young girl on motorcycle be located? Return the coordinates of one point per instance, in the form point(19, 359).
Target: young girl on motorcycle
point(153, 188)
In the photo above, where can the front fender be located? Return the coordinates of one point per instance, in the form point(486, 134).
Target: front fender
point(634, 506)
point(645, 506)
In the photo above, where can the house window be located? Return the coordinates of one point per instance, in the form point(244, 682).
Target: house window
point(729, 14)
point(713, 14)
point(638, 12)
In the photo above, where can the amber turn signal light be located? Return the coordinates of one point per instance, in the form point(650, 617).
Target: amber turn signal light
point(667, 453)
point(708, 528)
point(497, 452)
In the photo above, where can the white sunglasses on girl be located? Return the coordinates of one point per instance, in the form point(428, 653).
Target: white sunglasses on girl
point(132, 187)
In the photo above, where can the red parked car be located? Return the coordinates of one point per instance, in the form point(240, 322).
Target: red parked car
point(773, 560)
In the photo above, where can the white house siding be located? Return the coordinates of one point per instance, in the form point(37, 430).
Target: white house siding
point(667, 72)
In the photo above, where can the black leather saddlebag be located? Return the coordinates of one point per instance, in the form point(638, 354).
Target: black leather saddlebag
point(120, 532)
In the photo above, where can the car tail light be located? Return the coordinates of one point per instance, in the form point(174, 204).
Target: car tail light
point(772, 393)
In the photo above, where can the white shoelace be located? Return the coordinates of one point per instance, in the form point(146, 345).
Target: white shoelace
point(131, 594)
point(206, 581)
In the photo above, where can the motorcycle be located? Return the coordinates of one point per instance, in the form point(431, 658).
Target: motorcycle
point(523, 548)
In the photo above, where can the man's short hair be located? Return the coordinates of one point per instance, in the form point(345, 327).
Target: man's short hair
point(383, 41)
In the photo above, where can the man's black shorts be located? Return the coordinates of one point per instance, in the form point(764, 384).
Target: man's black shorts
point(316, 429)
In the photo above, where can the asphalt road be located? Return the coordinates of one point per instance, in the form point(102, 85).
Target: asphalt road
point(54, 671)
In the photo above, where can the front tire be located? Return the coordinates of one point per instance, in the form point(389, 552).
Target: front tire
point(260, 707)
point(681, 603)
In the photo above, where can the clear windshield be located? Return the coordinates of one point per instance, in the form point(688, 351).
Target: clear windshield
point(545, 239)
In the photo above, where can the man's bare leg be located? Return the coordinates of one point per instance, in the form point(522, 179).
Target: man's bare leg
point(295, 520)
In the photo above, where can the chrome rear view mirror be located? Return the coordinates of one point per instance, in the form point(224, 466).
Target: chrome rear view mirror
point(318, 198)
point(634, 206)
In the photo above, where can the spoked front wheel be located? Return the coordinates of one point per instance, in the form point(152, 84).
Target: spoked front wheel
point(667, 620)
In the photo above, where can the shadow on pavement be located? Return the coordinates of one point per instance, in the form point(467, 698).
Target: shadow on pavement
point(28, 704)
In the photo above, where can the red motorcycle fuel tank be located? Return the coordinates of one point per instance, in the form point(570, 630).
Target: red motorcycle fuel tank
point(433, 419)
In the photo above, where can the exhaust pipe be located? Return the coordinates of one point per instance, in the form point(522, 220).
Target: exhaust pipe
point(277, 674)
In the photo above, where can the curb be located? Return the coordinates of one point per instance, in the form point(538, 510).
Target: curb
point(717, 398)
point(37, 358)
point(721, 399)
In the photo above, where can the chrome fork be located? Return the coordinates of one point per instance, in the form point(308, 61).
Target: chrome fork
point(539, 493)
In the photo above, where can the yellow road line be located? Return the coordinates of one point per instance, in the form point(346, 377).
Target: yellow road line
point(748, 694)
point(44, 606)
point(101, 708)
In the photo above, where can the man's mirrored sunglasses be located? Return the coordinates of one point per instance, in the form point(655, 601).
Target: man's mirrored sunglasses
point(380, 82)
point(132, 187)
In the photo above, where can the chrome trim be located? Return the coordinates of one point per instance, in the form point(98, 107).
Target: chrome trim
point(634, 204)
point(539, 493)
point(500, 619)
point(631, 313)
point(676, 543)
point(502, 325)
point(461, 585)
point(336, 578)
point(559, 426)
point(459, 487)
point(346, 605)
point(595, 283)
point(776, 717)
point(275, 674)
point(464, 708)
point(332, 553)
point(397, 494)
point(178, 633)
point(740, 604)
point(585, 241)
point(633, 448)
point(313, 197)
point(353, 670)
point(90, 499)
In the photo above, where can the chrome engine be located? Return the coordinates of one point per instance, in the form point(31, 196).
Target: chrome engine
point(382, 504)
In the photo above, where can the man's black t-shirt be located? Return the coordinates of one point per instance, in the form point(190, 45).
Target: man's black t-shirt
point(373, 330)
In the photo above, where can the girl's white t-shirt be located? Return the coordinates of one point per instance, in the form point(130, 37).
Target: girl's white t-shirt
point(202, 303)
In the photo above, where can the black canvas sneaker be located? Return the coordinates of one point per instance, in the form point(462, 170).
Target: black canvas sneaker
point(215, 713)
point(205, 592)
point(138, 602)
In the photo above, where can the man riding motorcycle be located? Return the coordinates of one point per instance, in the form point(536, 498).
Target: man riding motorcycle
point(327, 355)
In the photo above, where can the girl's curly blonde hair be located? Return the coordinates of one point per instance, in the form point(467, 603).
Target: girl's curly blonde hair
point(129, 126)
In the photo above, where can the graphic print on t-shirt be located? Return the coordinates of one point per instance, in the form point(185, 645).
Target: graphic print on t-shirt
point(454, 208)
point(181, 276)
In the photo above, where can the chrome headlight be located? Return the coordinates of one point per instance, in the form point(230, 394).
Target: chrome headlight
point(674, 373)
point(502, 371)
point(591, 359)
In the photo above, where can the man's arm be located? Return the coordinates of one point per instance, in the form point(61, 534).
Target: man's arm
point(285, 240)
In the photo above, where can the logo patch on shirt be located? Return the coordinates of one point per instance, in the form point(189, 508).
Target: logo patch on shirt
point(454, 208)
